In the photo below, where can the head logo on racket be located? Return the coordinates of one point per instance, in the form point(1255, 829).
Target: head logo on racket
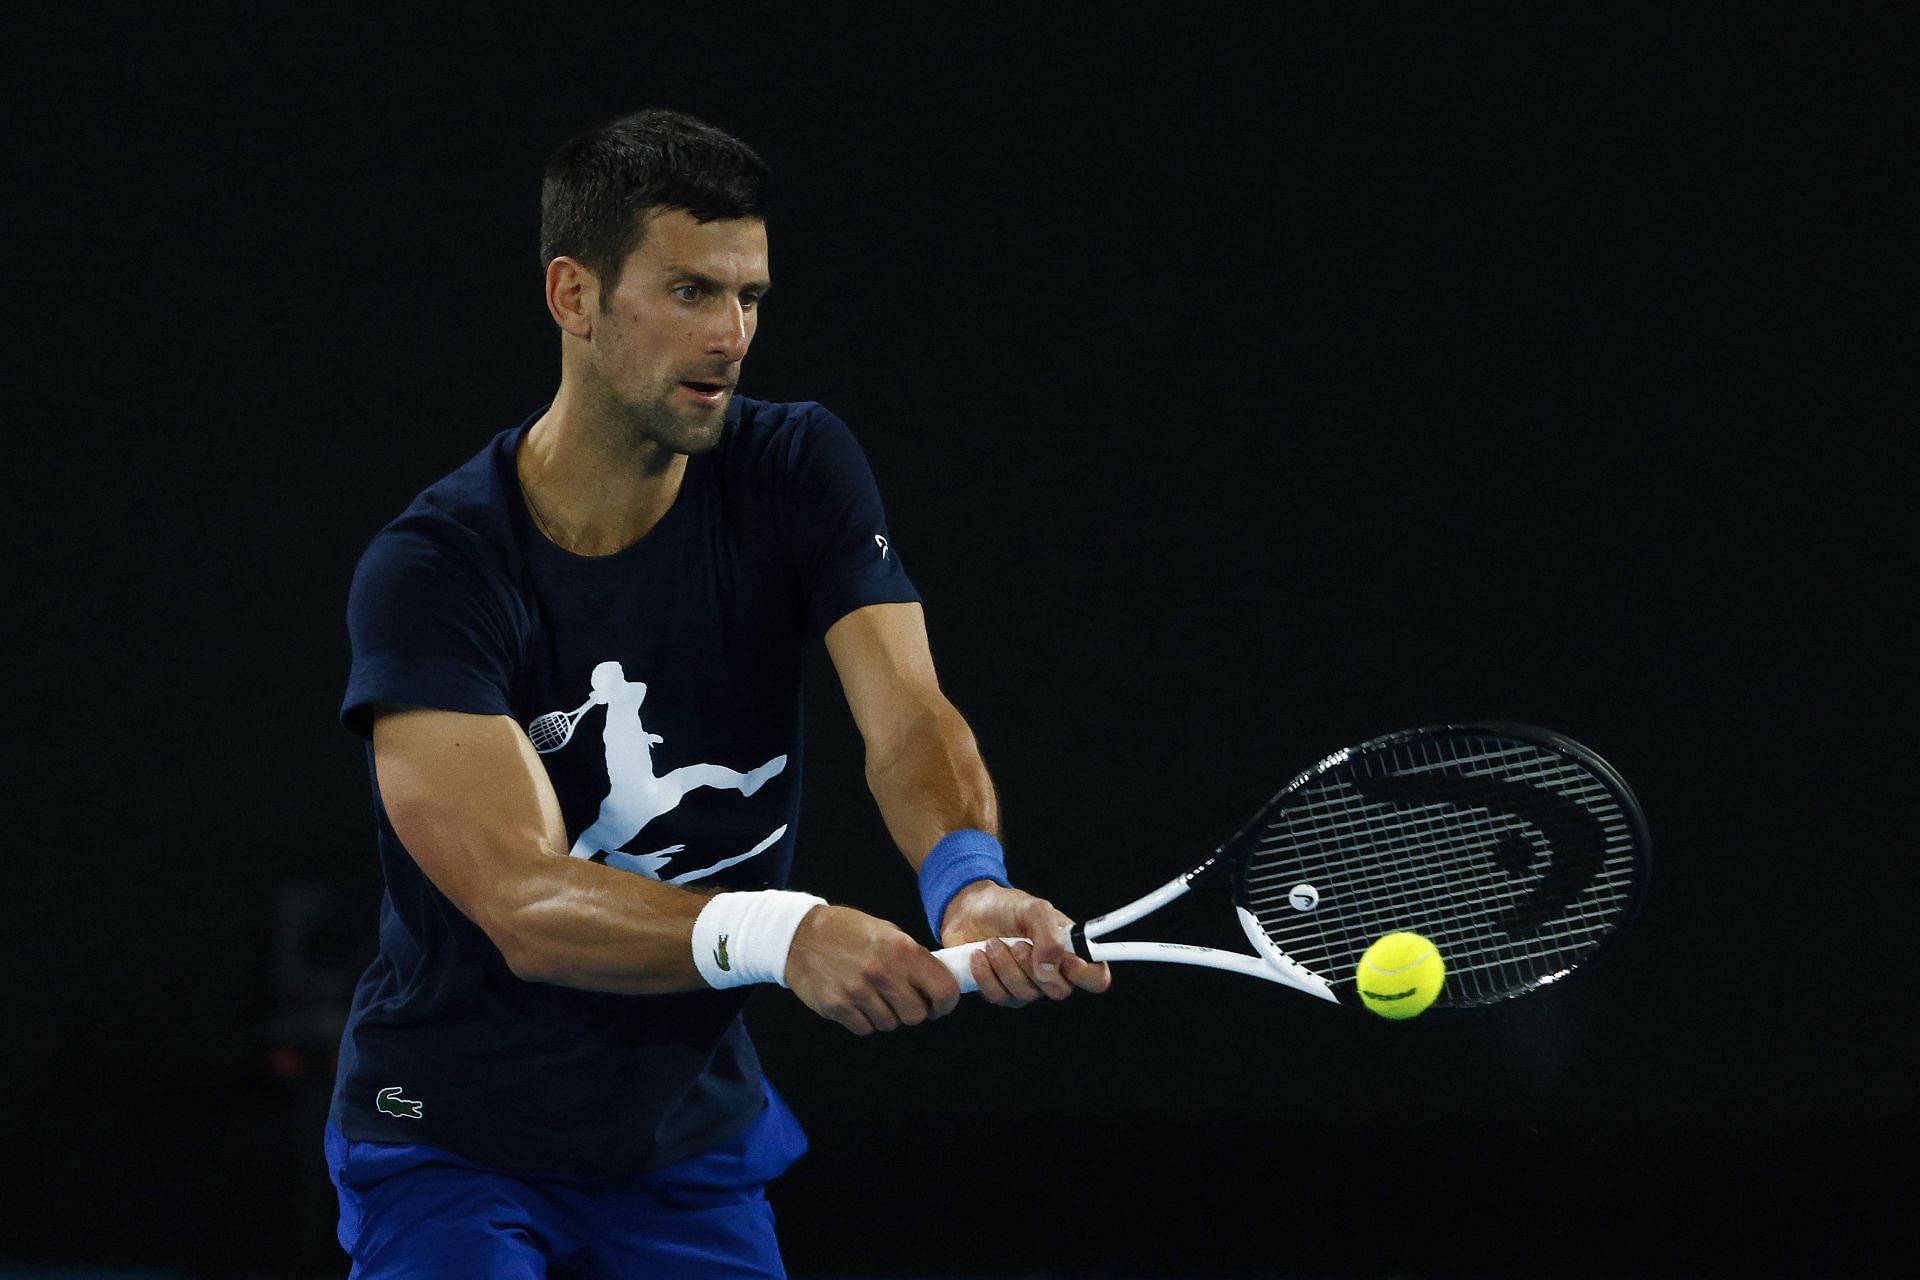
point(1549, 844)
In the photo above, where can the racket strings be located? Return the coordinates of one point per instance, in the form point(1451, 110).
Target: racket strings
point(1450, 839)
point(550, 731)
point(1391, 853)
point(1466, 917)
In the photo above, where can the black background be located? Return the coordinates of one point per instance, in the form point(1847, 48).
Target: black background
point(1238, 389)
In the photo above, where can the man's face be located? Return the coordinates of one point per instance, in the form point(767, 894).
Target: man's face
point(668, 341)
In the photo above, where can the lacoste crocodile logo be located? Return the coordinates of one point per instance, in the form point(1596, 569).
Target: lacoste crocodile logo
point(720, 955)
point(390, 1102)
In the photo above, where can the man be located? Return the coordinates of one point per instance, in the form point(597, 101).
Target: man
point(546, 1064)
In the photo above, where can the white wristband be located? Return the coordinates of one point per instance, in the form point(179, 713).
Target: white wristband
point(744, 937)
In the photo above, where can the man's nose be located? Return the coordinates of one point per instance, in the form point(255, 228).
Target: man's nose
point(732, 334)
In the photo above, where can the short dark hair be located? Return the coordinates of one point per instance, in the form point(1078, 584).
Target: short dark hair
point(599, 185)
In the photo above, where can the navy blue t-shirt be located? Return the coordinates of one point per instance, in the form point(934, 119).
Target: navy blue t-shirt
point(675, 664)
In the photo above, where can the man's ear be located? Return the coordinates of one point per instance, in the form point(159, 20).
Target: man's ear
point(573, 296)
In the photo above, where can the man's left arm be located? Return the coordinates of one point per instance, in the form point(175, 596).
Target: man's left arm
point(927, 777)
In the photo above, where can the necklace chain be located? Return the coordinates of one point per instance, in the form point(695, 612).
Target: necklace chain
point(540, 522)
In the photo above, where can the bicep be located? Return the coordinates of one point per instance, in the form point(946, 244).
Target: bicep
point(471, 802)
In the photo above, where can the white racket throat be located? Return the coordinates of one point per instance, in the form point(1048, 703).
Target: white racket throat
point(1268, 962)
point(1290, 973)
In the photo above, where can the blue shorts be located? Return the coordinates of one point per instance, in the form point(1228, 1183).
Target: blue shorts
point(408, 1210)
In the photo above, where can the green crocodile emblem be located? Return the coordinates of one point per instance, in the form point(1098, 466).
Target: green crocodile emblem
point(390, 1102)
point(720, 955)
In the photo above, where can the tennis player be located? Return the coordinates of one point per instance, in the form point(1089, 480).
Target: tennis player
point(545, 1065)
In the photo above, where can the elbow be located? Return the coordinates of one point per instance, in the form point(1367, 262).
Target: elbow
point(529, 956)
point(529, 964)
point(525, 959)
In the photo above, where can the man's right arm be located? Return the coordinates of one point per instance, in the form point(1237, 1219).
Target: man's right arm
point(470, 800)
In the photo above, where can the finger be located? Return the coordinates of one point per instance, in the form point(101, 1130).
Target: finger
point(906, 1002)
point(1085, 975)
point(853, 1020)
point(988, 983)
point(1010, 966)
point(1052, 985)
point(1049, 930)
point(877, 1010)
point(937, 986)
point(1041, 921)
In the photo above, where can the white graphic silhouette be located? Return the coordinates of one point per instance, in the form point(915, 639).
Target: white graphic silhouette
point(636, 797)
point(880, 541)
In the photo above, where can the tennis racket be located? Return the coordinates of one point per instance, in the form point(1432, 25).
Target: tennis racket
point(554, 730)
point(1517, 852)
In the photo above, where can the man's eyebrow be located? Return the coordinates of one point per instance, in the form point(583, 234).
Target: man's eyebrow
point(707, 282)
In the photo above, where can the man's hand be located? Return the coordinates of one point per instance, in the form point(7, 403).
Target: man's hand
point(865, 974)
point(1017, 975)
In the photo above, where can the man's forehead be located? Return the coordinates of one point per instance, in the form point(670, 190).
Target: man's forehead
point(674, 238)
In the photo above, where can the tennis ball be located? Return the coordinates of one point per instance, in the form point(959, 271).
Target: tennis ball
point(1400, 975)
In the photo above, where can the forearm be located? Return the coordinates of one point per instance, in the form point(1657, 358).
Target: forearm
point(929, 779)
point(578, 924)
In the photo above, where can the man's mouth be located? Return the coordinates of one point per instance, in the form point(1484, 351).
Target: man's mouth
point(709, 391)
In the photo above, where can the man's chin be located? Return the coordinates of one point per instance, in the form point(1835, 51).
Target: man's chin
point(679, 430)
point(701, 437)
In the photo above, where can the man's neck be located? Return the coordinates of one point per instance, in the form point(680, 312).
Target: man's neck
point(593, 489)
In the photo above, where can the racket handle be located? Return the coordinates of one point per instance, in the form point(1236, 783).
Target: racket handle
point(959, 961)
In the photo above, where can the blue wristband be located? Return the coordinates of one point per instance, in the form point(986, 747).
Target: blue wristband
point(960, 858)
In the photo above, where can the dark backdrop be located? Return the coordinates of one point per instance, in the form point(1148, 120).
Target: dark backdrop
point(1238, 389)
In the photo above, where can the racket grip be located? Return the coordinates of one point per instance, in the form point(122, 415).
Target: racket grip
point(959, 961)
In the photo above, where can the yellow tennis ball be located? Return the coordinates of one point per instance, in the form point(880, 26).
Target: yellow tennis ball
point(1400, 975)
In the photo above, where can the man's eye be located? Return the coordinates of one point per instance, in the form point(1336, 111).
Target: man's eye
point(748, 301)
point(687, 292)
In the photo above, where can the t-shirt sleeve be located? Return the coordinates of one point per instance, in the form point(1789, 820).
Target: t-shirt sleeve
point(428, 629)
point(842, 550)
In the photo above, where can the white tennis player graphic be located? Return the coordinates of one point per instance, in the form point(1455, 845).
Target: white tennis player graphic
point(636, 796)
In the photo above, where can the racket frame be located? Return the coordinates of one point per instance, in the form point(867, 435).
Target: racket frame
point(1236, 850)
point(1269, 962)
